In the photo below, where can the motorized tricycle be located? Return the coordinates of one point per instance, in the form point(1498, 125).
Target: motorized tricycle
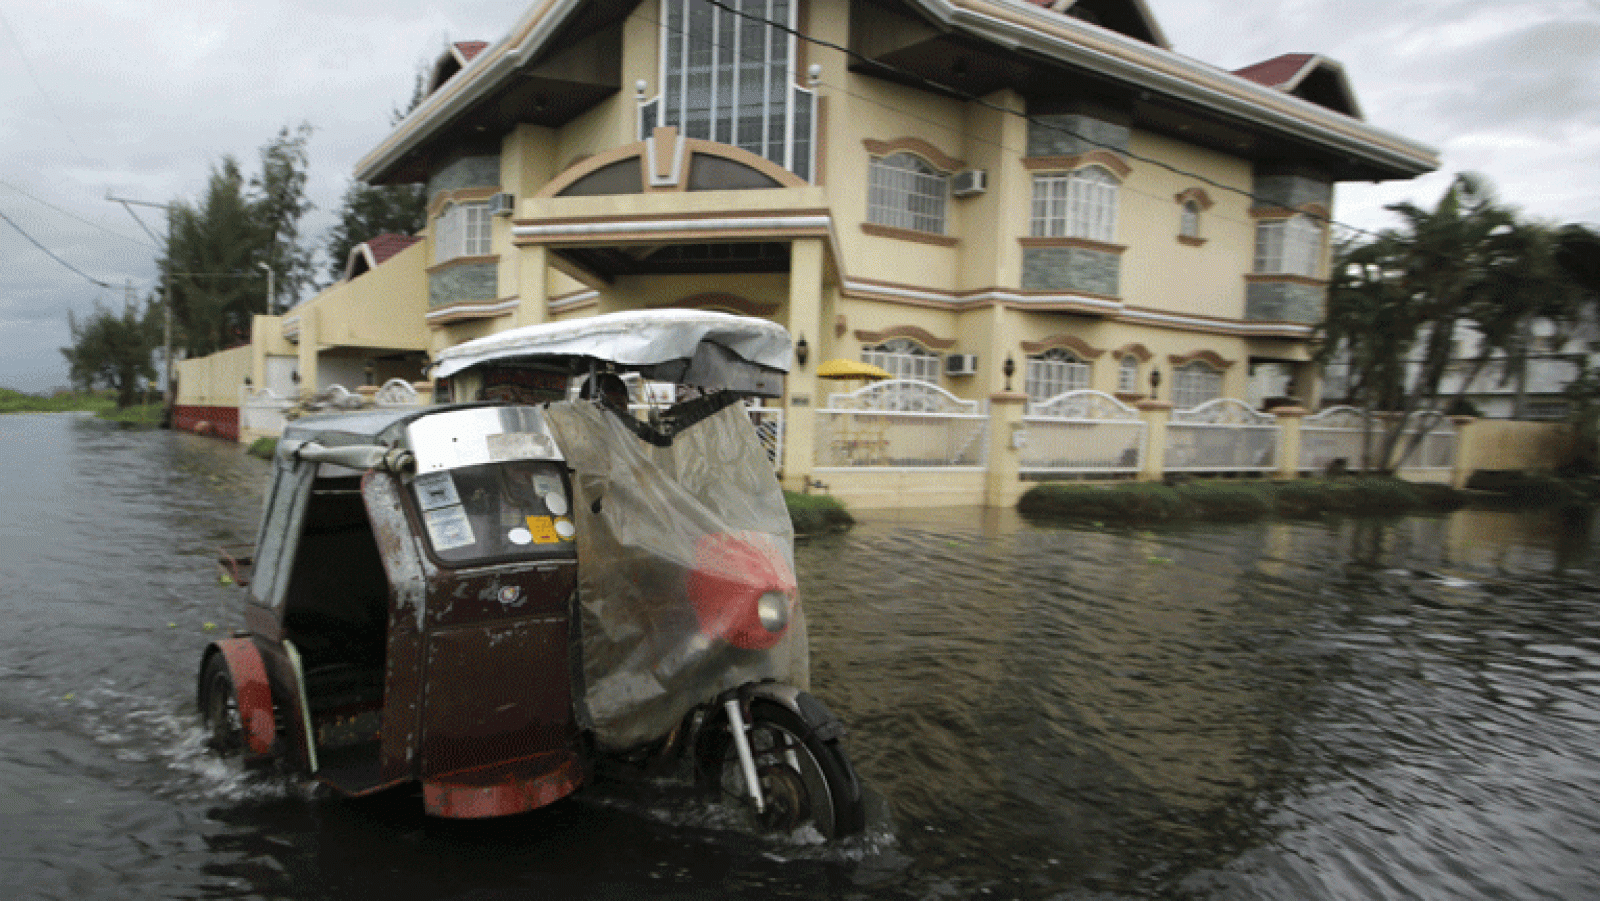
point(491, 596)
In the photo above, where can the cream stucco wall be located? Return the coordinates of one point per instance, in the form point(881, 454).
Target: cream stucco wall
point(1160, 272)
point(215, 380)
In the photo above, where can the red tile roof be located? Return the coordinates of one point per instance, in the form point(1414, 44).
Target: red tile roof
point(387, 245)
point(1279, 70)
point(469, 49)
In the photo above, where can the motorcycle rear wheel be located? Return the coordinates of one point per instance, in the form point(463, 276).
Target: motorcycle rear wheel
point(804, 779)
point(219, 709)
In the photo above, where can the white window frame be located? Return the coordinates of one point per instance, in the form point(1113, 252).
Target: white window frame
point(1077, 204)
point(462, 229)
point(906, 191)
point(1189, 219)
point(1128, 374)
point(1055, 372)
point(1194, 383)
point(1290, 246)
point(903, 358)
point(730, 78)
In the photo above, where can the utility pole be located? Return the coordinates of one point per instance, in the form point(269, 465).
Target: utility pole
point(166, 297)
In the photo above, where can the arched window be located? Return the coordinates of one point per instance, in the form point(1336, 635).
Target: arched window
point(1189, 219)
point(906, 191)
point(1055, 372)
point(1078, 204)
point(1194, 383)
point(1128, 375)
point(462, 230)
point(1290, 246)
point(903, 358)
point(728, 75)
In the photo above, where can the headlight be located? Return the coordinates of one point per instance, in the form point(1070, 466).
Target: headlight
point(773, 608)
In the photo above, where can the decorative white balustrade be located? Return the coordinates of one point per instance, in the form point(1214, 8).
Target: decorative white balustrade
point(1082, 432)
point(1339, 433)
point(262, 411)
point(900, 423)
point(1222, 435)
point(397, 393)
point(1437, 449)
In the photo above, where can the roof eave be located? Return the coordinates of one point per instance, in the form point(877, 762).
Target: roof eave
point(482, 75)
point(1017, 25)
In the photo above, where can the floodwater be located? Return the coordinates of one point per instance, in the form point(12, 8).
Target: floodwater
point(1340, 709)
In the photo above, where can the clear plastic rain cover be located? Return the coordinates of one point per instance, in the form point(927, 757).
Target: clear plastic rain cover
point(685, 569)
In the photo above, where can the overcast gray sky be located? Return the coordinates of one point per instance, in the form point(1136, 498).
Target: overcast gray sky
point(140, 99)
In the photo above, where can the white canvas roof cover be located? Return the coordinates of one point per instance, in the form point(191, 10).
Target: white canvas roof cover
point(641, 338)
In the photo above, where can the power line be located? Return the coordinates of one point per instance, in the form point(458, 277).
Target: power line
point(973, 98)
point(48, 100)
point(71, 215)
point(51, 254)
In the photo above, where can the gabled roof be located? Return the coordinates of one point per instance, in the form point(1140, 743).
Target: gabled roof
point(1126, 17)
point(1309, 76)
point(453, 60)
point(374, 252)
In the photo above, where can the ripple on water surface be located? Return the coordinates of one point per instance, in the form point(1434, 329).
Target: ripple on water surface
point(1339, 709)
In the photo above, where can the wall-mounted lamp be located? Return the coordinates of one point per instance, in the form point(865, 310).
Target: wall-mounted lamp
point(1009, 369)
point(802, 350)
point(295, 376)
point(247, 382)
point(1155, 384)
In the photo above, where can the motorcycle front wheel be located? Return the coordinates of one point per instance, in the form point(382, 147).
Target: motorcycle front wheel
point(804, 780)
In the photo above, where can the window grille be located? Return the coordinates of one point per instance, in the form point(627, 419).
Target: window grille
point(1194, 383)
point(1288, 246)
point(1189, 220)
point(729, 78)
point(904, 191)
point(462, 231)
point(1128, 375)
point(1055, 372)
point(903, 358)
point(1080, 204)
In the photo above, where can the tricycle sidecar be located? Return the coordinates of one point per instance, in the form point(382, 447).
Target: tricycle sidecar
point(489, 598)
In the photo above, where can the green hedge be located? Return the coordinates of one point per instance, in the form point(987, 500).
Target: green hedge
point(816, 513)
point(1229, 499)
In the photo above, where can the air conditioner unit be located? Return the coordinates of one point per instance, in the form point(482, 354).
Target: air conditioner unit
point(503, 204)
point(969, 182)
point(961, 364)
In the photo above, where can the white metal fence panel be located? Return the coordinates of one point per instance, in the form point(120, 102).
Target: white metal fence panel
point(901, 423)
point(1335, 434)
point(1222, 435)
point(1437, 449)
point(262, 411)
point(1082, 431)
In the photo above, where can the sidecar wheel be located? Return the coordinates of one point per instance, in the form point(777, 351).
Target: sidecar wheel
point(219, 709)
point(804, 780)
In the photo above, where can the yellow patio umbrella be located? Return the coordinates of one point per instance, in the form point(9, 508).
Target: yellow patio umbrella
point(842, 369)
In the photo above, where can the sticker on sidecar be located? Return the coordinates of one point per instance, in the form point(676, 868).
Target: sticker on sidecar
point(545, 529)
point(448, 528)
point(435, 490)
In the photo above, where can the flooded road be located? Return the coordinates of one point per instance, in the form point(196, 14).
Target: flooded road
point(1336, 709)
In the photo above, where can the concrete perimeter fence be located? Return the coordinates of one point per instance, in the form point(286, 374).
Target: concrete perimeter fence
point(906, 444)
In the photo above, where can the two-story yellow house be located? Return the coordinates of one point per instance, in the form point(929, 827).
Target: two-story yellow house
point(948, 189)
